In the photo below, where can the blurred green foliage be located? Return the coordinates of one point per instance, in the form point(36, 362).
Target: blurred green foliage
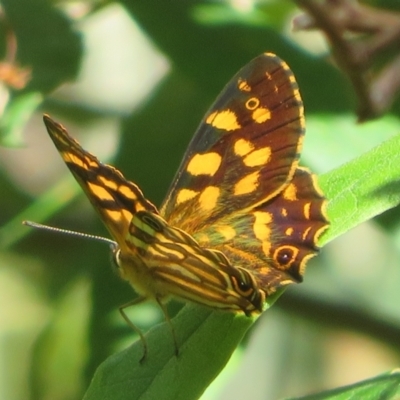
point(138, 77)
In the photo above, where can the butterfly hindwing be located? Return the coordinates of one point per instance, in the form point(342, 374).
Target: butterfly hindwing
point(276, 238)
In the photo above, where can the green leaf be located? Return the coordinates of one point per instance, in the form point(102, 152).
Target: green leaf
point(382, 387)
point(362, 188)
point(62, 348)
point(200, 332)
point(15, 117)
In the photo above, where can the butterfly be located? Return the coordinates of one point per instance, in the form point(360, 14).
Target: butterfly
point(241, 218)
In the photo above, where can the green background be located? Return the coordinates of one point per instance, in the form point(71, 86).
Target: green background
point(148, 71)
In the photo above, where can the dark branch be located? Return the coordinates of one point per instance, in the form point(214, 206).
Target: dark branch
point(374, 32)
point(341, 316)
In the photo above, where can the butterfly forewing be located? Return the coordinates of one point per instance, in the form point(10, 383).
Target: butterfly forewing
point(115, 198)
point(245, 150)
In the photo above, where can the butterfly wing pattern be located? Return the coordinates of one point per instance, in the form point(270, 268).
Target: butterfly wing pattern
point(241, 218)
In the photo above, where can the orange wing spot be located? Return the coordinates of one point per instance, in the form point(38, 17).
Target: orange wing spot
point(290, 193)
point(243, 147)
point(185, 195)
point(286, 67)
point(209, 197)
point(204, 164)
point(252, 103)
point(289, 231)
point(296, 93)
point(248, 184)
point(261, 115)
point(243, 85)
point(304, 261)
point(100, 192)
point(70, 157)
point(319, 233)
point(227, 231)
point(126, 214)
point(115, 216)
point(305, 233)
point(108, 183)
point(258, 157)
point(302, 120)
point(306, 210)
point(300, 143)
point(91, 163)
point(261, 225)
point(284, 212)
point(139, 206)
point(262, 230)
point(127, 192)
point(266, 248)
point(225, 120)
point(315, 183)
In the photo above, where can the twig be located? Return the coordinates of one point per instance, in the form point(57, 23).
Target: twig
point(378, 32)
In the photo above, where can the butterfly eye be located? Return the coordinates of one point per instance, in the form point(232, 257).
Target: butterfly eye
point(243, 283)
point(244, 286)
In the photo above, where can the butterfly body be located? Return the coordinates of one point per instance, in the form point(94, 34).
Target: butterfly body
point(241, 218)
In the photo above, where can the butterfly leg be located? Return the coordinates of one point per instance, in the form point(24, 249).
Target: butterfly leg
point(169, 322)
point(138, 300)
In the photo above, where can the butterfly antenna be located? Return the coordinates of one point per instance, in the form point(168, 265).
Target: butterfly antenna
point(69, 232)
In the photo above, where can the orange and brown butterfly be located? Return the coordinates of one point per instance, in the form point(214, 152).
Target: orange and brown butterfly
point(241, 218)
